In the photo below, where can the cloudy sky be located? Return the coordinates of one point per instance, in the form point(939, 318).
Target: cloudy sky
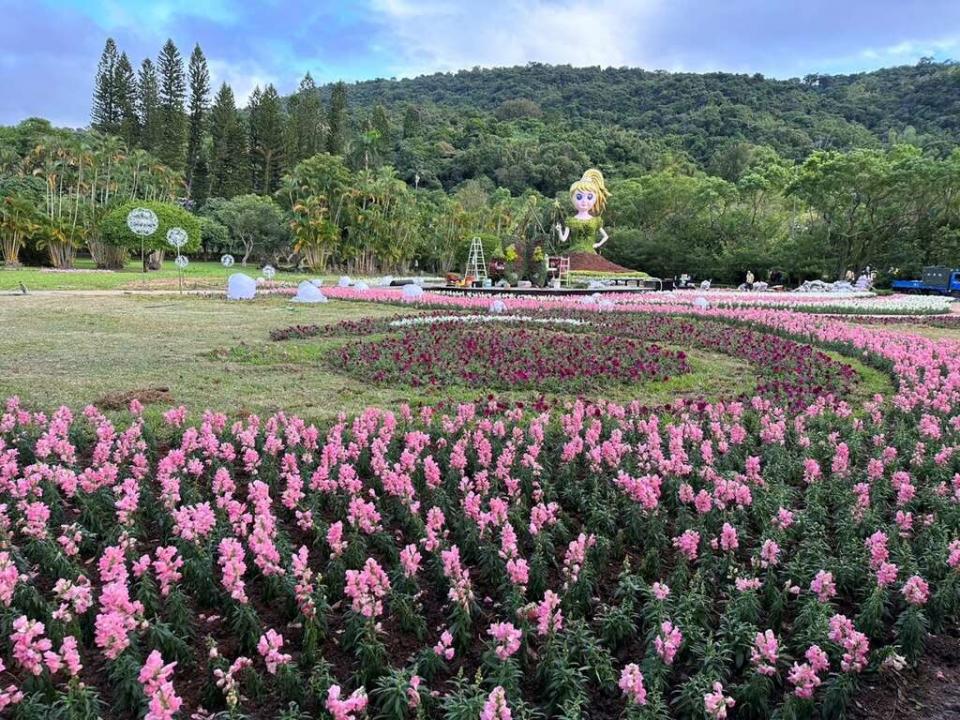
point(49, 48)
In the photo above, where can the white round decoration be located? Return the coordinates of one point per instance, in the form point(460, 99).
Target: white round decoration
point(142, 222)
point(177, 237)
point(269, 272)
point(182, 261)
point(227, 261)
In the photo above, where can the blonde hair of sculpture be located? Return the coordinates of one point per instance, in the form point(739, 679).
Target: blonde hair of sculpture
point(592, 181)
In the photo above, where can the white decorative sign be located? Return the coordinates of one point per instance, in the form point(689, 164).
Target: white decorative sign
point(269, 272)
point(227, 261)
point(177, 237)
point(142, 222)
point(182, 261)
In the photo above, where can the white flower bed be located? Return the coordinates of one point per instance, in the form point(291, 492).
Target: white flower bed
point(479, 319)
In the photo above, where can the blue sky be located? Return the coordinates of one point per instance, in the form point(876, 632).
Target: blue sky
point(49, 48)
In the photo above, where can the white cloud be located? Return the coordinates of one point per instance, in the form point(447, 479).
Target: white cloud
point(242, 77)
point(430, 36)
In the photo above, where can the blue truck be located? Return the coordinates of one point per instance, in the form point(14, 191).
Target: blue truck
point(934, 280)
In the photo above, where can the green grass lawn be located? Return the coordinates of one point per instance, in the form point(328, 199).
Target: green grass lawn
point(211, 353)
point(198, 275)
point(206, 352)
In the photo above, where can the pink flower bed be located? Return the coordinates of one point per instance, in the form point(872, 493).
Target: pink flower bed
point(485, 560)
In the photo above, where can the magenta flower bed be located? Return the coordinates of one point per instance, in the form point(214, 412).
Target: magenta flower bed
point(505, 356)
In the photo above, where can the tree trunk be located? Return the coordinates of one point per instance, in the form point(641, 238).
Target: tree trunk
point(107, 256)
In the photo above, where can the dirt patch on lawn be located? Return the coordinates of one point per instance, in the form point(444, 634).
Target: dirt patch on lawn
point(931, 692)
point(122, 400)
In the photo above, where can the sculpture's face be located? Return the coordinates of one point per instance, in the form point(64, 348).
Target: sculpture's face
point(584, 200)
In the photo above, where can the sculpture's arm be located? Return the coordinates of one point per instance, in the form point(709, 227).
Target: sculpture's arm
point(603, 238)
point(563, 232)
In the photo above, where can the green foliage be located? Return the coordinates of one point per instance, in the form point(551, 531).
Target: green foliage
point(255, 223)
point(114, 230)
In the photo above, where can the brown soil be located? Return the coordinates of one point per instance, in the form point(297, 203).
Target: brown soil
point(122, 400)
point(591, 262)
point(931, 692)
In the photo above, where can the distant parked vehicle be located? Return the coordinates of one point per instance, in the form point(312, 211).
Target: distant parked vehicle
point(935, 280)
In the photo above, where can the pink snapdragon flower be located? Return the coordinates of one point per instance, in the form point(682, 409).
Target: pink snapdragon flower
point(231, 556)
point(688, 543)
point(668, 641)
point(916, 590)
point(410, 560)
point(507, 637)
point(548, 614)
point(367, 588)
point(269, 647)
point(631, 684)
point(348, 709)
point(765, 653)
point(823, 586)
point(444, 647)
point(496, 708)
point(163, 701)
point(335, 540)
point(716, 703)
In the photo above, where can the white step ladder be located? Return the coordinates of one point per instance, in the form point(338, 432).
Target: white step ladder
point(476, 263)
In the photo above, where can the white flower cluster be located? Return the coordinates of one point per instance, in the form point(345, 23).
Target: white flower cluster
point(478, 319)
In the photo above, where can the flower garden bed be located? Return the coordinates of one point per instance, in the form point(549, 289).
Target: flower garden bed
point(745, 557)
point(507, 358)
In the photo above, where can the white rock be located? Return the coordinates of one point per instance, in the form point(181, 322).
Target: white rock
point(307, 292)
point(412, 293)
point(241, 287)
point(344, 282)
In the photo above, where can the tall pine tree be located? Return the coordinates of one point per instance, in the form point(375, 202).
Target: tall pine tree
point(337, 120)
point(148, 106)
point(253, 137)
point(228, 166)
point(199, 92)
point(306, 124)
point(266, 141)
point(173, 87)
point(125, 86)
point(105, 114)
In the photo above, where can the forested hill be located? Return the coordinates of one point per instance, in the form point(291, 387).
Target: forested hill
point(700, 111)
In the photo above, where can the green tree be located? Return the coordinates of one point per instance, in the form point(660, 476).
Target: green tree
point(148, 106)
point(172, 89)
point(114, 230)
point(337, 120)
point(228, 153)
point(306, 124)
point(105, 114)
point(266, 140)
point(256, 224)
point(199, 100)
point(125, 86)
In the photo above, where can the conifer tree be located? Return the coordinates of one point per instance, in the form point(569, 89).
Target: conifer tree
point(125, 85)
point(228, 152)
point(199, 92)
point(337, 120)
point(171, 94)
point(148, 110)
point(105, 114)
point(306, 124)
point(267, 135)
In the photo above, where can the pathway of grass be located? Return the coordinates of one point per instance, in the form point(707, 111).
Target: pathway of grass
point(198, 275)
